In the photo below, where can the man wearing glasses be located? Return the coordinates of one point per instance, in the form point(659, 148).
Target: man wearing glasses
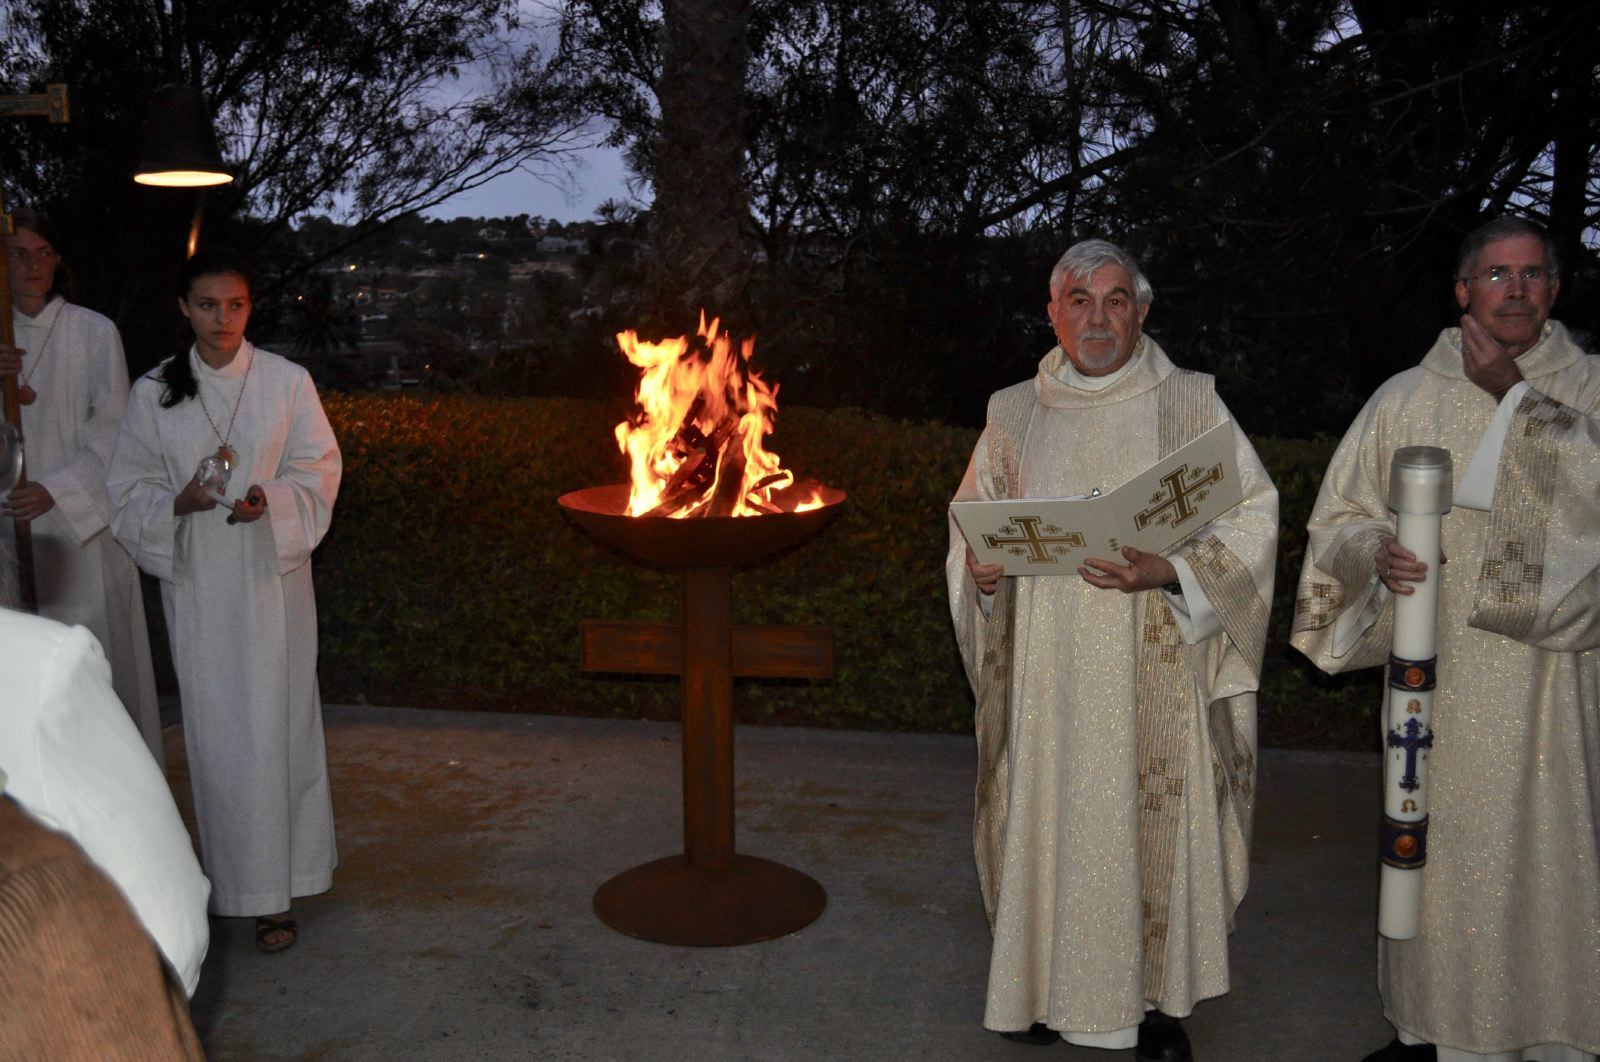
point(1506, 961)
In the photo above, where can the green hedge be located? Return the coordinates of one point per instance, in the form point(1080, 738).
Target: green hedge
point(451, 577)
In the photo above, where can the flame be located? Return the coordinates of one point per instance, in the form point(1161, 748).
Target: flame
point(700, 415)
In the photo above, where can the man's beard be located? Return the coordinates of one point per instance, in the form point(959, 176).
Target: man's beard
point(1097, 361)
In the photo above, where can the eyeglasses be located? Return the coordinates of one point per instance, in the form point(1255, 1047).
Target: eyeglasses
point(1501, 274)
point(44, 255)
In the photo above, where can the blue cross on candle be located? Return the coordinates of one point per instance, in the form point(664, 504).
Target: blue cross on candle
point(1413, 741)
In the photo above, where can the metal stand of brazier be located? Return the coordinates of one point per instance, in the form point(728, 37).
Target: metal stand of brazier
point(709, 895)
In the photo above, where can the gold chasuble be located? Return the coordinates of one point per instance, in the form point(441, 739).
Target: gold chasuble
point(1507, 955)
point(1116, 759)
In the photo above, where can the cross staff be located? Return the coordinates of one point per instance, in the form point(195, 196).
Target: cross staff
point(51, 104)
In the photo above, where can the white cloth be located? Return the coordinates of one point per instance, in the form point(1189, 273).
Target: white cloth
point(1474, 487)
point(74, 363)
point(1070, 936)
point(241, 614)
point(1506, 961)
point(72, 758)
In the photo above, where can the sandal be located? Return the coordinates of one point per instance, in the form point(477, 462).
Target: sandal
point(267, 927)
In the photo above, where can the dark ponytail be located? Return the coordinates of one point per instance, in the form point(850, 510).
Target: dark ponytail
point(179, 379)
point(178, 376)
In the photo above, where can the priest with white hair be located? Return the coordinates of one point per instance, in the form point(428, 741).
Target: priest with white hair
point(1115, 705)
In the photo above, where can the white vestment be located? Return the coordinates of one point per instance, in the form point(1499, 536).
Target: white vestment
point(242, 616)
point(1116, 740)
point(1507, 956)
point(74, 364)
point(73, 759)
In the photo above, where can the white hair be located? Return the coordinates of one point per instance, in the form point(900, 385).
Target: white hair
point(1085, 256)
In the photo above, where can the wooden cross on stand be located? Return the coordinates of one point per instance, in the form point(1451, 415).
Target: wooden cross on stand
point(644, 648)
point(711, 894)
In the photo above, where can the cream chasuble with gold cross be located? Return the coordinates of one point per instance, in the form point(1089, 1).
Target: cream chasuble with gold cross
point(1508, 952)
point(1116, 739)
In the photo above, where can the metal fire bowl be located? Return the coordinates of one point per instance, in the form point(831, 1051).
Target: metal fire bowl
point(697, 542)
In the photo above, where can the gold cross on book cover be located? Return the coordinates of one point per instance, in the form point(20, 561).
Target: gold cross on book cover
point(1153, 511)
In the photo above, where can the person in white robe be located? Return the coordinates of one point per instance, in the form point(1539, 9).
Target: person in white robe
point(73, 383)
point(237, 591)
point(1505, 965)
point(1115, 706)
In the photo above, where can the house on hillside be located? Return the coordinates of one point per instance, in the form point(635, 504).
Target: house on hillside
point(560, 245)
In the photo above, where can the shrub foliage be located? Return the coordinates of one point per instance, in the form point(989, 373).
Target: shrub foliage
point(451, 577)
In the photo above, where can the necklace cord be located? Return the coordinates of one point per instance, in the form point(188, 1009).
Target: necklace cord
point(44, 345)
point(200, 394)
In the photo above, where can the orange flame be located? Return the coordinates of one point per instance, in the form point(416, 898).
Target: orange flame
point(700, 416)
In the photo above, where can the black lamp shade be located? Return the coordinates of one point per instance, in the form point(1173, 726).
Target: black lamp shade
point(180, 147)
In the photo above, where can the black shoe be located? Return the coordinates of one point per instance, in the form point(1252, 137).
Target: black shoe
point(1399, 1052)
point(1162, 1039)
point(1038, 1035)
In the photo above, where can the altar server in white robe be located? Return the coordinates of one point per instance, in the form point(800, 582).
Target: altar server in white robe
point(1116, 707)
point(236, 587)
point(73, 384)
point(1505, 965)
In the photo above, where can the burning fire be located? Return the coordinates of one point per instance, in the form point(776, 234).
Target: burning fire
point(694, 438)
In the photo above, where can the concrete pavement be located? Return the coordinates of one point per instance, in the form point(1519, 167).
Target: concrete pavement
point(460, 924)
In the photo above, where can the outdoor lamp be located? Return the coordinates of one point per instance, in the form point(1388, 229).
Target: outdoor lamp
point(180, 147)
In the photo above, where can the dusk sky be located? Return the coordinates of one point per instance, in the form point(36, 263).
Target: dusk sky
point(600, 175)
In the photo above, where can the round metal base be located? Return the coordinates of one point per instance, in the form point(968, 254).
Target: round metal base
point(670, 902)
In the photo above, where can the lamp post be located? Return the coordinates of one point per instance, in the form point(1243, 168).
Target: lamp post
point(51, 104)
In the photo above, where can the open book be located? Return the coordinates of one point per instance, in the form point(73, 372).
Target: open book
point(1153, 511)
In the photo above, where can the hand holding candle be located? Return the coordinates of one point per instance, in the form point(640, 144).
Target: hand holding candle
point(248, 510)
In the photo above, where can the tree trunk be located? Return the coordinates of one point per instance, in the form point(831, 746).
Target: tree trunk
point(698, 217)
